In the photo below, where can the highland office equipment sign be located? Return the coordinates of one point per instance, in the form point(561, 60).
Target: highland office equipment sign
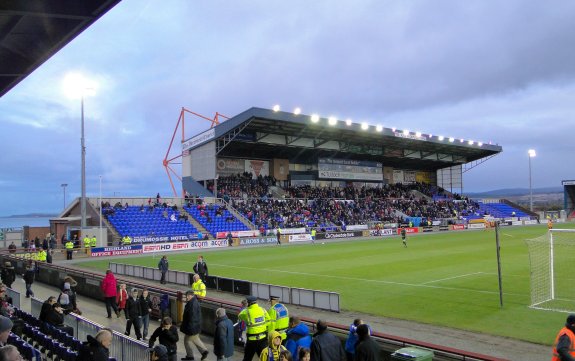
point(331, 168)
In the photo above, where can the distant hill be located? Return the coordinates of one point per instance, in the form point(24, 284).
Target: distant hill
point(513, 192)
point(32, 215)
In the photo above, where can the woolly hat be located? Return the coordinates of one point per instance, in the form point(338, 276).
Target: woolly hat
point(5, 324)
point(160, 350)
point(570, 320)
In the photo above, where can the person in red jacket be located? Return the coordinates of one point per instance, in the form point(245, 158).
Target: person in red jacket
point(109, 287)
point(122, 298)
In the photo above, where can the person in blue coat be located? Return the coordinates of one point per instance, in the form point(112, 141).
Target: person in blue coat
point(297, 336)
point(224, 336)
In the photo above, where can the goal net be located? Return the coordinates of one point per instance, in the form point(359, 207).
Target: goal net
point(551, 259)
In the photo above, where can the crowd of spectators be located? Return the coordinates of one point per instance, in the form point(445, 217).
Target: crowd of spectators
point(242, 186)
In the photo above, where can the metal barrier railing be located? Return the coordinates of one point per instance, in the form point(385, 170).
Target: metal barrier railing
point(122, 348)
point(296, 296)
point(15, 295)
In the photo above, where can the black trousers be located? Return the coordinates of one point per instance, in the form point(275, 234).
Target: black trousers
point(254, 348)
point(137, 325)
point(163, 279)
point(111, 305)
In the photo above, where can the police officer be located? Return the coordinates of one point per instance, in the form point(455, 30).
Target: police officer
point(257, 320)
point(42, 255)
point(93, 241)
point(279, 317)
point(126, 240)
point(69, 249)
point(87, 241)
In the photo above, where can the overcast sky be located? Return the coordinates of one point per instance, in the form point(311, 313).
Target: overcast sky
point(499, 71)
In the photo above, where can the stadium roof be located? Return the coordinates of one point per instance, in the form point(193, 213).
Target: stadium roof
point(265, 134)
point(31, 31)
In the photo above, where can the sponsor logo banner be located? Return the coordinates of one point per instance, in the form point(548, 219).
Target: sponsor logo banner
point(532, 221)
point(179, 246)
point(476, 226)
point(443, 228)
point(427, 229)
point(517, 223)
point(259, 240)
point(408, 230)
point(198, 139)
point(356, 227)
point(457, 227)
point(116, 251)
point(335, 235)
point(238, 234)
point(144, 239)
point(382, 232)
point(290, 231)
point(299, 237)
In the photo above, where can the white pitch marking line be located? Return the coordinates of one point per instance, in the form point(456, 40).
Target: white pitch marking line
point(451, 278)
point(507, 234)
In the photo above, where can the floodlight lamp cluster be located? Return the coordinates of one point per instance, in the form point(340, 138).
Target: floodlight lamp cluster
point(333, 121)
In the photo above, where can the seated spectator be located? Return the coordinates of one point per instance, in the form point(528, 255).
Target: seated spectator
point(46, 306)
point(10, 353)
point(55, 317)
point(96, 348)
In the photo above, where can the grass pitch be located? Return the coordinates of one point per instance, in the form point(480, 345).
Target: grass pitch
point(447, 279)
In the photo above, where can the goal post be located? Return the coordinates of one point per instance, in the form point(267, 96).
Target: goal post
point(552, 273)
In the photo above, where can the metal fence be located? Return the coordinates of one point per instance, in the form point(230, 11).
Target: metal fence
point(122, 348)
point(15, 295)
point(296, 296)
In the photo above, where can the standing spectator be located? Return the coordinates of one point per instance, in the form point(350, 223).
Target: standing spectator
point(257, 320)
point(96, 348)
point(159, 353)
point(29, 279)
point(351, 341)
point(198, 287)
point(278, 235)
point(109, 287)
point(275, 347)
point(163, 266)
point(64, 299)
point(201, 268)
point(230, 239)
point(565, 341)
point(122, 298)
point(224, 336)
point(12, 248)
point(8, 274)
point(5, 328)
point(49, 256)
point(192, 326)
point(325, 346)
point(167, 334)
point(133, 314)
point(165, 305)
point(46, 307)
point(367, 349)
point(146, 308)
point(297, 337)
point(404, 237)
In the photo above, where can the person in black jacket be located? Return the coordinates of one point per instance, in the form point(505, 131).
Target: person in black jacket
point(134, 314)
point(192, 326)
point(201, 268)
point(55, 317)
point(29, 279)
point(8, 274)
point(325, 346)
point(46, 307)
point(224, 336)
point(145, 308)
point(97, 348)
point(167, 334)
point(367, 349)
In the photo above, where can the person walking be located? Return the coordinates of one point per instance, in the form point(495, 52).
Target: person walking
point(564, 345)
point(163, 266)
point(201, 268)
point(257, 320)
point(367, 349)
point(325, 346)
point(109, 288)
point(279, 317)
point(29, 279)
point(192, 326)
point(122, 298)
point(167, 335)
point(145, 308)
point(133, 314)
point(404, 237)
point(224, 336)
